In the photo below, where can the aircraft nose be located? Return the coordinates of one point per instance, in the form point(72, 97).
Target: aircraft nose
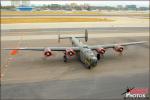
point(94, 61)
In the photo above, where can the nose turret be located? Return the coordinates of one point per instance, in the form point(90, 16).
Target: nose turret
point(93, 61)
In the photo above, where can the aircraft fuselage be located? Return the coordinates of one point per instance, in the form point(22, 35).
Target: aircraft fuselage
point(86, 55)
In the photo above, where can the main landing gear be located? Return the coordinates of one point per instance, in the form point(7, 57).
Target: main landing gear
point(65, 57)
point(98, 56)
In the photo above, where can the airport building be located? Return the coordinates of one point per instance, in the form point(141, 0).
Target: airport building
point(22, 5)
point(15, 3)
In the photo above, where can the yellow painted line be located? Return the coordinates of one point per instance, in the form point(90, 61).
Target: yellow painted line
point(51, 13)
point(48, 20)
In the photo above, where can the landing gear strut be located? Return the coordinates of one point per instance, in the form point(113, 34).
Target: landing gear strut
point(89, 67)
point(98, 56)
point(65, 57)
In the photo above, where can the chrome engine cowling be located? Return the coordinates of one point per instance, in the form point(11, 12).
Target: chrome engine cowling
point(70, 52)
point(101, 50)
point(47, 52)
point(118, 48)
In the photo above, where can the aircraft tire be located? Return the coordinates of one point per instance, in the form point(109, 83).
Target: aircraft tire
point(65, 58)
point(98, 56)
point(89, 67)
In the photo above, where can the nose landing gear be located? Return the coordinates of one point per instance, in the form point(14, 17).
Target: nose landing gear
point(89, 67)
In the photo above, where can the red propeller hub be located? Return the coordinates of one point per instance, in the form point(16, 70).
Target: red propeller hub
point(47, 52)
point(101, 50)
point(70, 52)
point(119, 48)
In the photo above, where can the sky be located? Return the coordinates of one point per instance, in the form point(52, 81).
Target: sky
point(92, 3)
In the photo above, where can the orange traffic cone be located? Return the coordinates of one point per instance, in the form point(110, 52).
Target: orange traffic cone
point(14, 52)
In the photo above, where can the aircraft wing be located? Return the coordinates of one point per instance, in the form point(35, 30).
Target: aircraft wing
point(113, 45)
point(43, 48)
point(75, 48)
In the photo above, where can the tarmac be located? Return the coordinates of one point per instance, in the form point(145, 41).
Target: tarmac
point(74, 30)
point(29, 75)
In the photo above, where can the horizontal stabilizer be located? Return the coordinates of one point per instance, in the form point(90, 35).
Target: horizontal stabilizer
point(86, 36)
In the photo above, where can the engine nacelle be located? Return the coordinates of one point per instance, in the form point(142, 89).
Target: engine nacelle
point(70, 52)
point(47, 52)
point(118, 48)
point(101, 50)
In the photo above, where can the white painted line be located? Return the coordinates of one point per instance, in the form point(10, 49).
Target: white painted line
point(42, 37)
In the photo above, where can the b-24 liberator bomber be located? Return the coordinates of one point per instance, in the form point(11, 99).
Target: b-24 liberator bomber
point(84, 52)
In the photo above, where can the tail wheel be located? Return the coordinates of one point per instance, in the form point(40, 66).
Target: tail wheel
point(98, 56)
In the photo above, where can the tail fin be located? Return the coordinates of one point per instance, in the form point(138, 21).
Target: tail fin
point(85, 37)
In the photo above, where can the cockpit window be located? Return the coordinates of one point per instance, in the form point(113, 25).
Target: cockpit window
point(90, 52)
point(85, 46)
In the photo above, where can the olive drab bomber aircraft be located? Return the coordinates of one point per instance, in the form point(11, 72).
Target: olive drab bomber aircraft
point(84, 52)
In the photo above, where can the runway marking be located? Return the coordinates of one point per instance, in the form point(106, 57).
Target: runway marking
point(42, 37)
point(10, 59)
point(58, 31)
